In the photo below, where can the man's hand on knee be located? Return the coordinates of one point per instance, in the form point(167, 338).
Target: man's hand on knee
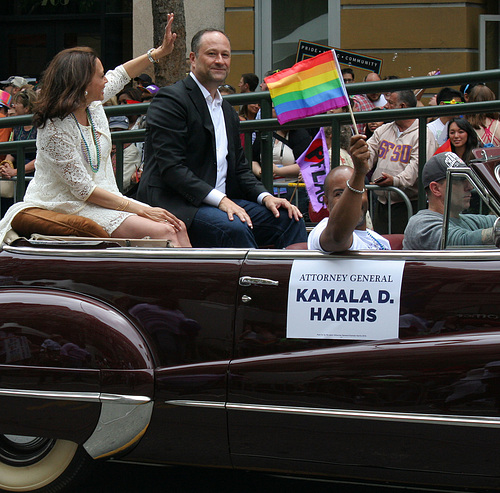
point(274, 203)
point(232, 209)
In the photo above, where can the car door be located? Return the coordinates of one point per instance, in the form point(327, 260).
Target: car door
point(422, 402)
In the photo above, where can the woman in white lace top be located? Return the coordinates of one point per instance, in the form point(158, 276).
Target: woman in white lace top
point(74, 173)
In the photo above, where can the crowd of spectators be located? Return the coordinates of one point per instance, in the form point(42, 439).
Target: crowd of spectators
point(393, 146)
point(18, 97)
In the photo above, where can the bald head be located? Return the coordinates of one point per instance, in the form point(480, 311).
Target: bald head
point(372, 77)
point(335, 184)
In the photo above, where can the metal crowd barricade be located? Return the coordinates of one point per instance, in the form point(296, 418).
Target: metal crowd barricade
point(390, 190)
point(266, 125)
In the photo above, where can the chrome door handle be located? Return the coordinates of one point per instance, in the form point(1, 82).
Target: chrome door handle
point(257, 281)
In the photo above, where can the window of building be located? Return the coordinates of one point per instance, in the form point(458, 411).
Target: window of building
point(35, 31)
point(279, 28)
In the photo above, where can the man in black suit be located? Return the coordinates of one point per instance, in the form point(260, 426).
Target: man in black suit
point(195, 166)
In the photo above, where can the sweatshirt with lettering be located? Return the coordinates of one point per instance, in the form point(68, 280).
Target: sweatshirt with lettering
point(396, 153)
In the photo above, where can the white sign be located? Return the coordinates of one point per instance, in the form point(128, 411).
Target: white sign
point(344, 299)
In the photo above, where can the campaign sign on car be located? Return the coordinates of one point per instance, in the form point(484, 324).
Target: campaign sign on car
point(344, 299)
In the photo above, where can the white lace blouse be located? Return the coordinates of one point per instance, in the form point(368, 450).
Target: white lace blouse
point(63, 178)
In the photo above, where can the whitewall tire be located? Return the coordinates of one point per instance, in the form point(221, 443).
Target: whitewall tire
point(39, 464)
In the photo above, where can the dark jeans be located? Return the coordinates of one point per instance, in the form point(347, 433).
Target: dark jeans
point(212, 228)
point(399, 217)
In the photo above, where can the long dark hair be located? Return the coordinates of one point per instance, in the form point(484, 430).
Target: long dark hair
point(472, 141)
point(63, 84)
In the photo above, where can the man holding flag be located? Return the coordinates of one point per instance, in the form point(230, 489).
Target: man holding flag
point(347, 202)
point(312, 86)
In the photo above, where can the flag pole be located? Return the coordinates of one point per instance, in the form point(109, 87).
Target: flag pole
point(353, 119)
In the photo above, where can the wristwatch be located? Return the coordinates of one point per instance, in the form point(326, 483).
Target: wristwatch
point(150, 56)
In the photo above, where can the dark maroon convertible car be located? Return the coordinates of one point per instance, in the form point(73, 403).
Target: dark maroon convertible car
point(380, 366)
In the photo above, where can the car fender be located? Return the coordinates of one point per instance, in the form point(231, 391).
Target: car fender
point(81, 361)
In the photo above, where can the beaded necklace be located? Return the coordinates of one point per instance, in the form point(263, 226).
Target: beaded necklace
point(25, 134)
point(85, 147)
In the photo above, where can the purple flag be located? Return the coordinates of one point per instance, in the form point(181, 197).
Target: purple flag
point(314, 165)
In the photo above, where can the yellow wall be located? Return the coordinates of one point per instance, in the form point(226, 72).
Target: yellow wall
point(414, 40)
point(411, 40)
point(240, 27)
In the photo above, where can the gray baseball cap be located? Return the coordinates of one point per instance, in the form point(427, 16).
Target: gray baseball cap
point(15, 81)
point(435, 168)
point(118, 122)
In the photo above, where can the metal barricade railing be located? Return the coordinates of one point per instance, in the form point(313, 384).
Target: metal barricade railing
point(266, 124)
point(390, 190)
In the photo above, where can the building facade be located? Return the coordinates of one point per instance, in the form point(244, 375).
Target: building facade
point(409, 38)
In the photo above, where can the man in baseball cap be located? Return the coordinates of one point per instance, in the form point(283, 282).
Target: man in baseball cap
point(13, 84)
point(143, 80)
point(149, 92)
point(424, 229)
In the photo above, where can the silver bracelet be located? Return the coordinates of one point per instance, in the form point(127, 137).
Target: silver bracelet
point(150, 56)
point(355, 190)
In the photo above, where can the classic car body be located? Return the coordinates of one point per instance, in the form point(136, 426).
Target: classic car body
point(165, 355)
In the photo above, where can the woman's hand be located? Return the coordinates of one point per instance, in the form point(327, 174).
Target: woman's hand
point(169, 38)
point(7, 170)
point(138, 65)
point(109, 200)
point(161, 215)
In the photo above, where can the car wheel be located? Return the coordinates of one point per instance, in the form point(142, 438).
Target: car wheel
point(40, 464)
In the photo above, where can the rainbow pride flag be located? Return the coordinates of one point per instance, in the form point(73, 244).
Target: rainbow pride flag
point(310, 87)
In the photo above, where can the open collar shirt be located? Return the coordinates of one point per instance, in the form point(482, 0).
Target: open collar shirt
point(214, 106)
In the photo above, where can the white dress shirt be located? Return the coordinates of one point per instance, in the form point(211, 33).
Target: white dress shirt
point(214, 106)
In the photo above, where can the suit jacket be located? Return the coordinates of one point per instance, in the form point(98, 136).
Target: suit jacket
point(180, 166)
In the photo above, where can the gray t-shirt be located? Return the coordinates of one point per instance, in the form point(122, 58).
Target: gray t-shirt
point(424, 230)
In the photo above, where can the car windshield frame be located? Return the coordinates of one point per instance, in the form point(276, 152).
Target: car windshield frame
point(480, 186)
